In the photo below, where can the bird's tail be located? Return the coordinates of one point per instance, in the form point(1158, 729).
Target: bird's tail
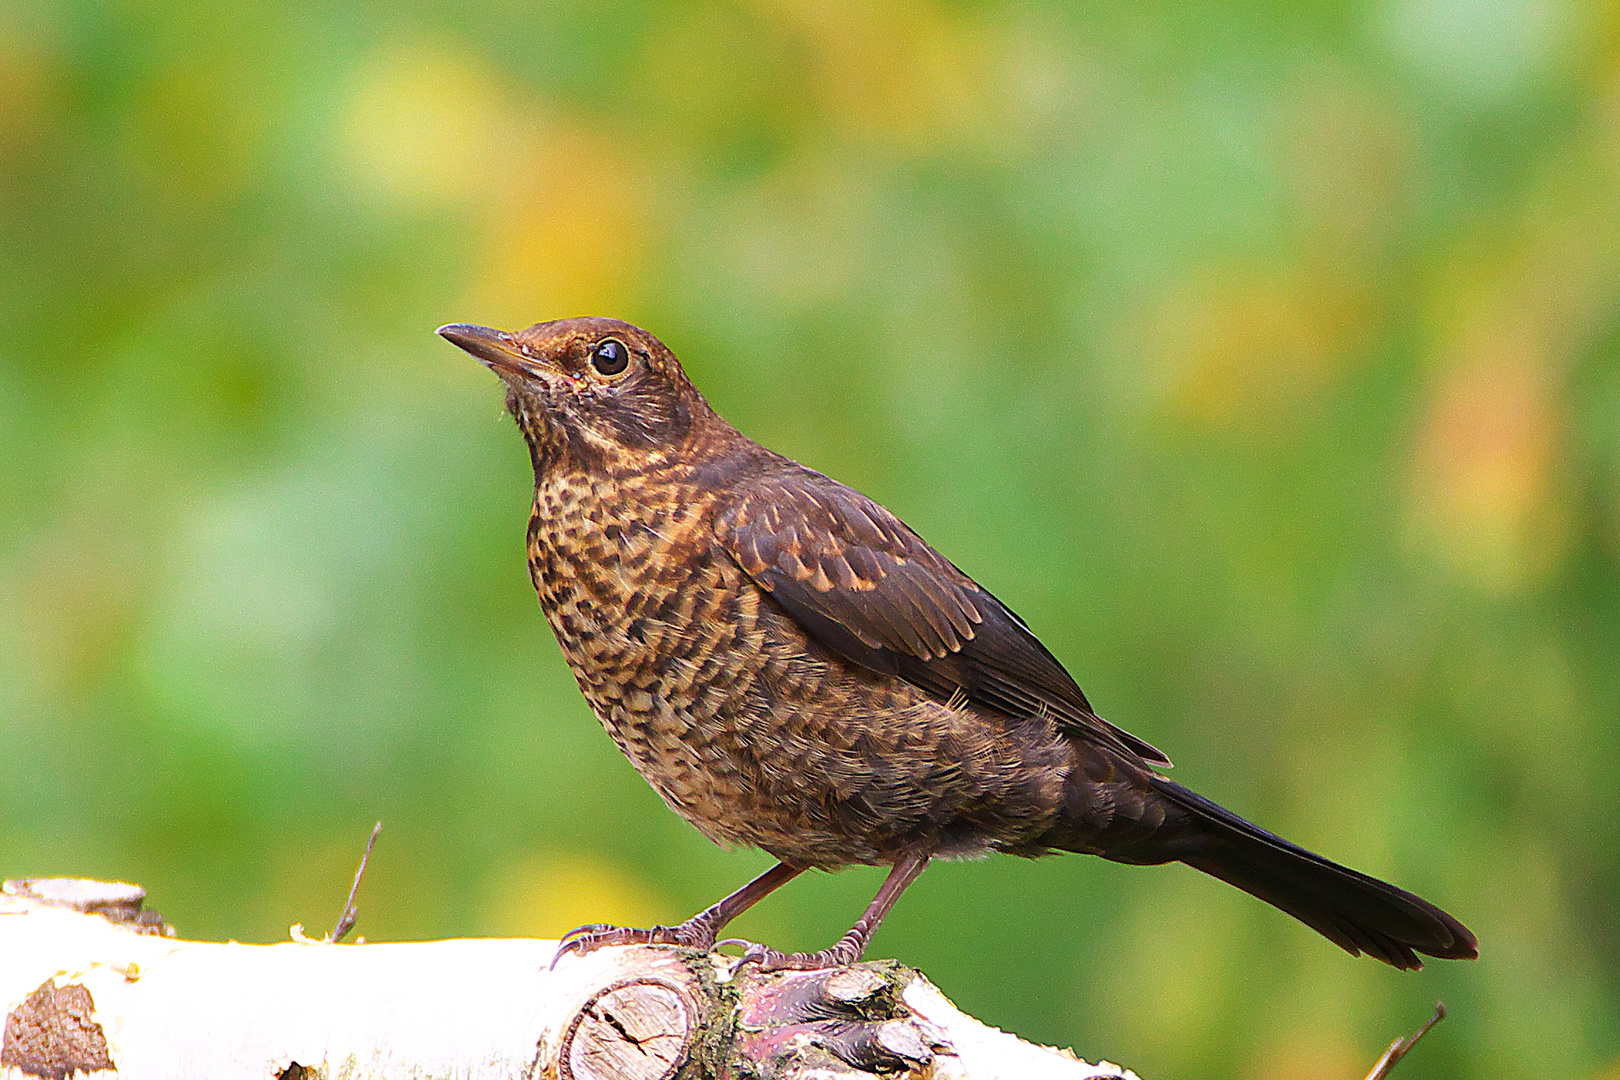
point(1356, 912)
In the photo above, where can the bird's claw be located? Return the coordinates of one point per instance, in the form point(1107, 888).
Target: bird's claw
point(593, 936)
point(769, 959)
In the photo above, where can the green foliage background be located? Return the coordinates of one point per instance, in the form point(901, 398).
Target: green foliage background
point(1265, 357)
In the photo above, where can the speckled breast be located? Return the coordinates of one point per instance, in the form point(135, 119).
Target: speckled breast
point(746, 728)
point(658, 632)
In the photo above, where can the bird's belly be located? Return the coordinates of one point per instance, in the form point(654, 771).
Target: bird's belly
point(758, 737)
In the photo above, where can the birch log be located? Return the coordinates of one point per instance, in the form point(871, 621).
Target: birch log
point(92, 984)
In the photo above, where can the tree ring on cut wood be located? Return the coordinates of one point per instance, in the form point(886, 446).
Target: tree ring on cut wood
point(635, 1029)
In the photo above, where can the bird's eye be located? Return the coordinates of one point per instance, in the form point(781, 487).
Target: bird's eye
point(610, 357)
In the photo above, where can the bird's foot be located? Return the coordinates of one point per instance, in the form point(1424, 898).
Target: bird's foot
point(694, 933)
point(843, 954)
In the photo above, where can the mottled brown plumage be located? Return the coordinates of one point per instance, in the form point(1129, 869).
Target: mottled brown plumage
point(793, 668)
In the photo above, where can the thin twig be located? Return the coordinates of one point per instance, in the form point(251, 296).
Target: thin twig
point(1399, 1047)
point(345, 922)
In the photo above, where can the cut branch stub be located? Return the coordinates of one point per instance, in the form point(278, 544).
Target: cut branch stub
point(118, 901)
point(637, 1029)
point(809, 1023)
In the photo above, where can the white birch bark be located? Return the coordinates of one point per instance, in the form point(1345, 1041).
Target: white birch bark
point(92, 993)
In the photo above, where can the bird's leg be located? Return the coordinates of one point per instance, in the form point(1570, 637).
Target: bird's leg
point(698, 932)
point(852, 945)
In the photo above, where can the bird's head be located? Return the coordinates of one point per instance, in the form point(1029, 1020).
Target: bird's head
point(589, 389)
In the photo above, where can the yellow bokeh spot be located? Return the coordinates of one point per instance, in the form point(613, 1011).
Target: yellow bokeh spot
point(560, 206)
point(24, 79)
point(570, 241)
point(425, 123)
point(546, 896)
point(1609, 1072)
point(1172, 980)
point(1482, 495)
point(903, 72)
point(1243, 351)
point(1311, 1052)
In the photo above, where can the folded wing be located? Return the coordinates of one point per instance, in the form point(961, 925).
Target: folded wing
point(872, 591)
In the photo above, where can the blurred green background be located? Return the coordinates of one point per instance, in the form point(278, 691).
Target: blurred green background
point(1265, 357)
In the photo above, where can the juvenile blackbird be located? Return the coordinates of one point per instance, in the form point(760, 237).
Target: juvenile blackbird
point(791, 667)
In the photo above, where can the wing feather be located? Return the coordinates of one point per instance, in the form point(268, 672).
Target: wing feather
point(872, 591)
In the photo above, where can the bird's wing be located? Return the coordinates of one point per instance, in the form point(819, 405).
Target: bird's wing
point(871, 590)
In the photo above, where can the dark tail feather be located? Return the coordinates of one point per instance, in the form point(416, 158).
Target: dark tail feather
point(1358, 913)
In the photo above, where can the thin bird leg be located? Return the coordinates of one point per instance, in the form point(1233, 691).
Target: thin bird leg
point(714, 919)
point(852, 946)
point(698, 932)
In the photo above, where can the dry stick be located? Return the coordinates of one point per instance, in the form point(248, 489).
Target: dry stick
point(1399, 1047)
point(345, 922)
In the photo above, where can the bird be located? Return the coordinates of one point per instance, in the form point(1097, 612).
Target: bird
point(794, 669)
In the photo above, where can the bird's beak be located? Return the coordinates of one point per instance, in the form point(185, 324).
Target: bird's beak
point(497, 349)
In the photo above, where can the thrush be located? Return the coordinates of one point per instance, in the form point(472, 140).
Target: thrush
point(792, 668)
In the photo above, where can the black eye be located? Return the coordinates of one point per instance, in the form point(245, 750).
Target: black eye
point(610, 357)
